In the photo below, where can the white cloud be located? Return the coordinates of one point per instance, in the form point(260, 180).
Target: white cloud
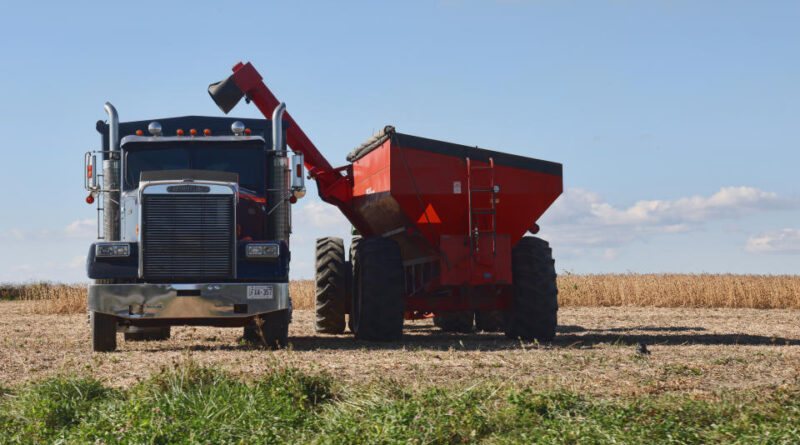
point(13, 234)
point(315, 219)
point(22, 268)
point(786, 241)
point(610, 254)
point(76, 262)
point(319, 214)
point(81, 228)
point(17, 234)
point(581, 218)
point(728, 202)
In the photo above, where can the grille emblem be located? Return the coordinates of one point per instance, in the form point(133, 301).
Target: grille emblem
point(188, 189)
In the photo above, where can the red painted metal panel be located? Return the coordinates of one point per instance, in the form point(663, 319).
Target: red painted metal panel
point(461, 266)
point(420, 198)
point(372, 173)
point(464, 298)
point(421, 179)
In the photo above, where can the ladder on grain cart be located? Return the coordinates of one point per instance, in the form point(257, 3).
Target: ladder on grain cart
point(482, 220)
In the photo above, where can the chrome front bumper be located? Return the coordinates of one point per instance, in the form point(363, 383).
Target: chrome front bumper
point(197, 300)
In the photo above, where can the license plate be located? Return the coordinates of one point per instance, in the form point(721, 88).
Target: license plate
point(259, 292)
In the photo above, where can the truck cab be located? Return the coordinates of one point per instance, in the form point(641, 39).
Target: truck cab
point(194, 217)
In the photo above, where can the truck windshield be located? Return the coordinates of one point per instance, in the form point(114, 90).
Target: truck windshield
point(244, 159)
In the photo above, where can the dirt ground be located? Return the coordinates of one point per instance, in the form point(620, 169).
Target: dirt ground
point(698, 351)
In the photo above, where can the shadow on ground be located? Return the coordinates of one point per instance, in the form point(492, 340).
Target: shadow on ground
point(590, 339)
point(569, 336)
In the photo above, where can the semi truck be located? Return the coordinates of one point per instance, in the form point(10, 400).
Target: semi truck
point(194, 219)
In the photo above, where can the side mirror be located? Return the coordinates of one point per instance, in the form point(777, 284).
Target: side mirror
point(298, 180)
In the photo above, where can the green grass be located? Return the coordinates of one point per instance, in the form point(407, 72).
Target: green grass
point(191, 404)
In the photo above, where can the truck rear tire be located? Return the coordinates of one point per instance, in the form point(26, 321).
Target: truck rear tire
point(534, 303)
point(454, 321)
point(378, 301)
point(104, 332)
point(273, 327)
point(331, 286)
point(490, 321)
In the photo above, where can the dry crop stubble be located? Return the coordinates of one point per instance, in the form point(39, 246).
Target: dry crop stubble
point(643, 290)
point(681, 290)
point(698, 351)
point(49, 298)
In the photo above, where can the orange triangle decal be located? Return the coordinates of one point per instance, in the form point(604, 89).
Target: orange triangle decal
point(429, 216)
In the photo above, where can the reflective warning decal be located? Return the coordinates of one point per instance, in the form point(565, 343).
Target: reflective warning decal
point(429, 216)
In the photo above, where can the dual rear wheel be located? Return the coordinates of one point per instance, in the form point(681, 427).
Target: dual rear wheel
point(534, 301)
point(372, 284)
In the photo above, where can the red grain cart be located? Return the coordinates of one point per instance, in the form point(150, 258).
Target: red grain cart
point(440, 232)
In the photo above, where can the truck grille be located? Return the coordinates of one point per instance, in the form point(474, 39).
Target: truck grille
point(188, 236)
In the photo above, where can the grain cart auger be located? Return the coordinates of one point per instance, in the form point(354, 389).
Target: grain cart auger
point(440, 230)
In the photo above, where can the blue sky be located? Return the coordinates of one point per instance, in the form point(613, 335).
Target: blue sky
point(676, 121)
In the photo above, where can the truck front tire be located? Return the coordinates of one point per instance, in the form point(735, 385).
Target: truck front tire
point(534, 303)
point(378, 305)
point(331, 286)
point(270, 329)
point(104, 332)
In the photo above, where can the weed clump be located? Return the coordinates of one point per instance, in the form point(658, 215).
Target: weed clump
point(41, 411)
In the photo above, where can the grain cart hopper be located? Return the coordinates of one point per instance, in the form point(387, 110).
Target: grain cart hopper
point(440, 230)
point(195, 216)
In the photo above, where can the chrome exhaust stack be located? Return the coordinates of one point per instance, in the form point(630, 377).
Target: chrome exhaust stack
point(113, 127)
point(111, 178)
point(279, 219)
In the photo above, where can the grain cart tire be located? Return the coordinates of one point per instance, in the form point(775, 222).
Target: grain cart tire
point(331, 286)
point(353, 244)
point(378, 303)
point(135, 333)
point(348, 292)
point(490, 321)
point(272, 326)
point(534, 303)
point(104, 332)
point(350, 280)
point(454, 321)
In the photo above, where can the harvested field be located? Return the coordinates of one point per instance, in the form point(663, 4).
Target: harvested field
point(695, 351)
point(644, 290)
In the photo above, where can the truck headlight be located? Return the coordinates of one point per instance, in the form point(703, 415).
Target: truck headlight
point(112, 249)
point(262, 250)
